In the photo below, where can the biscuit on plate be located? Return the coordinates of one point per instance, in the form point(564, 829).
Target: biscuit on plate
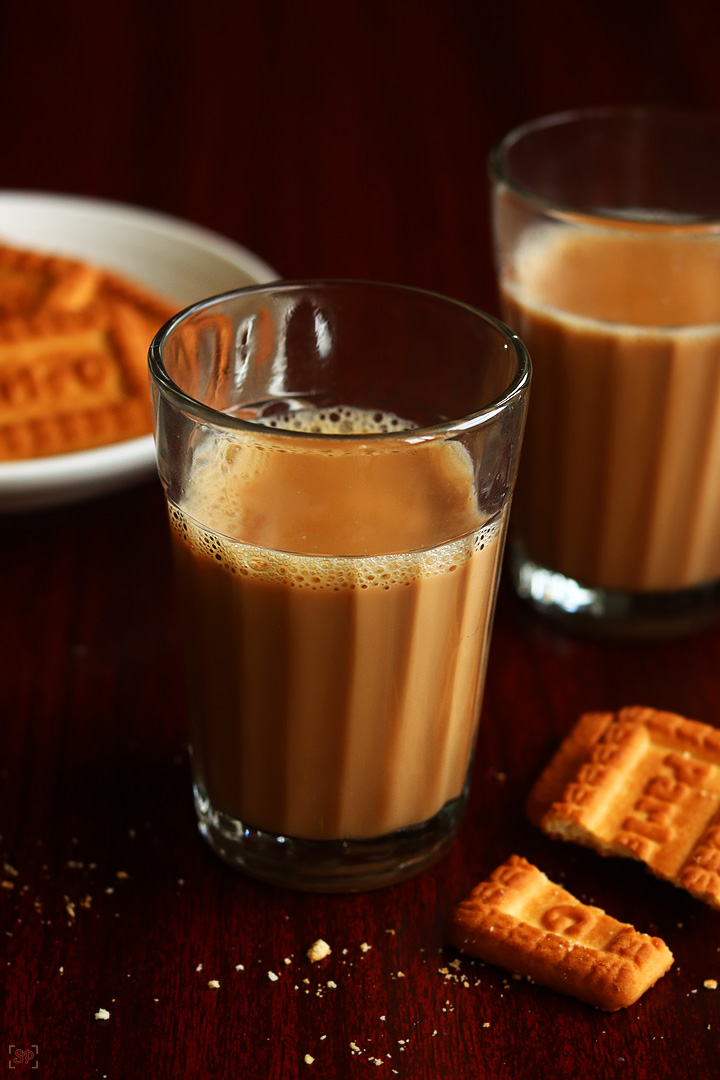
point(73, 354)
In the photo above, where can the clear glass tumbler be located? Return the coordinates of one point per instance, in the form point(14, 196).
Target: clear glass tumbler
point(607, 229)
point(338, 460)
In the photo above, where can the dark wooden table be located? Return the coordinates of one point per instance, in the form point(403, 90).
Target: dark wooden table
point(344, 139)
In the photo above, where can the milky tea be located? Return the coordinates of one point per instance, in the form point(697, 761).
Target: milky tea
point(336, 571)
point(339, 697)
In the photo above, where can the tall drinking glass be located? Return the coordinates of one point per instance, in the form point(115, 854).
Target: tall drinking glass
point(607, 226)
point(339, 460)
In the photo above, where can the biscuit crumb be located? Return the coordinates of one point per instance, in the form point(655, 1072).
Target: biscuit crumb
point(365, 947)
point(318, 951)
point(102, 1014)
point(122, 875)
point(309, 1059)
point(213, 984)
point(710, 984)
point(272, 976)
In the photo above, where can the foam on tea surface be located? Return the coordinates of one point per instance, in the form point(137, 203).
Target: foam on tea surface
point(342, 420)
point(336, 497)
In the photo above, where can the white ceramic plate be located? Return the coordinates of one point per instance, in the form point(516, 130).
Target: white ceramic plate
point(171, 256)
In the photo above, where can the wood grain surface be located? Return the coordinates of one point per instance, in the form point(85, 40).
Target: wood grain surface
point(341, 140)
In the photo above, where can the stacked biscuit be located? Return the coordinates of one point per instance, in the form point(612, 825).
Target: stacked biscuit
point(73, 354)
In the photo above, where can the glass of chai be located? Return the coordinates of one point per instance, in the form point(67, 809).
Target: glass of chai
point(607, 231)
point(339, 460)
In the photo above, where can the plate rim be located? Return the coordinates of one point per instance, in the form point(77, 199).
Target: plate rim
point(22, 482)
point(162, 221)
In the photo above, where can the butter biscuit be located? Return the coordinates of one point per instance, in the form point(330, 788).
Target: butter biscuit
point(521, 921)
point(640, 783)
point(70, 382)
point(31, 282)
point(73, 354)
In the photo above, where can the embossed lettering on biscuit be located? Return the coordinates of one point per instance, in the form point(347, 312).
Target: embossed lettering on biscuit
point(73, 354)
point(656, 796)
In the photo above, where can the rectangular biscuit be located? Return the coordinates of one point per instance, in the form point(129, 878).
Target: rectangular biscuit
point(32, 282)
point(71, 381)
point(643, 784)
point(519, 920)
point(73, 354)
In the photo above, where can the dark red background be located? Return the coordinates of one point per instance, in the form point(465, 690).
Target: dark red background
point(344, 139)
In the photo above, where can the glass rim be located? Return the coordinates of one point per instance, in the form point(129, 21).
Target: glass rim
point(502, 174)
point(513, 392)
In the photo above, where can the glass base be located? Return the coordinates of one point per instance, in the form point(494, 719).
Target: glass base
point(329, 865)
point(612, 612)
